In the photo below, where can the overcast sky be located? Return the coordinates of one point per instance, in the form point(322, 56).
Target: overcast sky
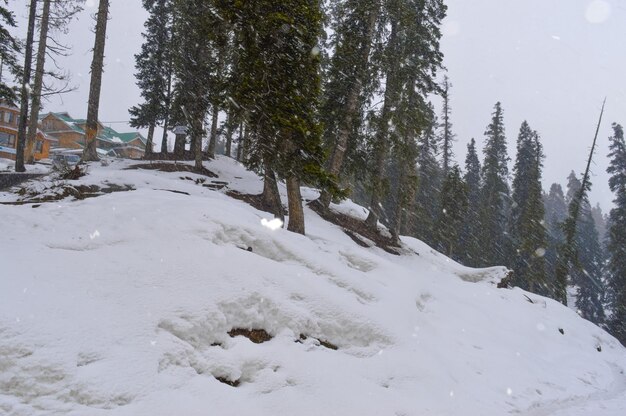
point(550, 62)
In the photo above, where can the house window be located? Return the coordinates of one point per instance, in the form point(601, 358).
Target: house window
point(4, 138)
point(39, 146)
point(11, 140)
point(8, 117)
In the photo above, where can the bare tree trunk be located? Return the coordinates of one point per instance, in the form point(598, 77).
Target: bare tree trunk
point(28, 57)
point(168, 105)
point(229, 134)
point(240, 143)
point(245, 144)
point(294, 200)
point(270, 198)
point(213, 138)
point(149, 141)
point(352, 102)
point(381, 138)
point(97, 66)
point(38, 84)
point(197, 144)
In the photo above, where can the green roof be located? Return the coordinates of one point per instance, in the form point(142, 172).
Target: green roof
point(106, 134)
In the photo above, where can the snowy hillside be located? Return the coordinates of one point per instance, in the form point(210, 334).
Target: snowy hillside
point(122, 305)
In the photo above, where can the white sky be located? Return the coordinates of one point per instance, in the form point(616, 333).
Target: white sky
point(550, 62)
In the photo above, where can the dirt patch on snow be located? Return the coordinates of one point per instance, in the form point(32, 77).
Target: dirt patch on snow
point(173, 167)
point(357, 230)
point(63, 191)
point(258, 336)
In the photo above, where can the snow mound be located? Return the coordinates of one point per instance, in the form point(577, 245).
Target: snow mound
point(143, 302)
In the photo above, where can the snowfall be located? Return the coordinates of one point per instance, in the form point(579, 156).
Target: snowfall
point(122, 304)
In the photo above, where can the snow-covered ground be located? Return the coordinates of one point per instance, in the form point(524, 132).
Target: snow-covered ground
point(122, 304)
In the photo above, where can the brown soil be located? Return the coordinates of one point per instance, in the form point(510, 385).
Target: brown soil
point(227, 381)
point(173, 167)
point(79, 192)
point(258, 336)
point(253, 200)
point(356, 229)
point(322, 342)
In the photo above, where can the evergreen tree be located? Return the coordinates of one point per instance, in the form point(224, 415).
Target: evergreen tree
point(454, 205)
point(409, 62)
point(585, 275)
point(280, 91)
point(9, 50)
point(555, 214)
point(154, 70)
point(196, 42)
point(616, 243)
point(350, 78)
point(429, 176)
point(568, 252)
point(447, 137)
point(527, 233)
point(599, 219)
point(495, 192)
point(471, 251)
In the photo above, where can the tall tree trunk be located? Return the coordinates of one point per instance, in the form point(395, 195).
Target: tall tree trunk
point(213, 139)
point(150, 140)
point(240, 143)
point(270, 198)
point(197, 143)
point(352, 108)
point(381, 138)
point(28, 57)
point(294, 200)
point(97, 66)
point(38, 84)
point(230, 126)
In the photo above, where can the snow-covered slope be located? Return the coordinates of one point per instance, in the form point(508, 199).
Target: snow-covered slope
point(122, 304)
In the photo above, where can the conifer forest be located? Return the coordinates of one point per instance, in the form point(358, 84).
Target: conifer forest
point(343, 112)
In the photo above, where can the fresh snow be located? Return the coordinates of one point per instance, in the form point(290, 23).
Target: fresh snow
point(121, 304)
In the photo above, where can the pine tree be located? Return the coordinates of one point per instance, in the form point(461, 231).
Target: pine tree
point(197, 38)
point(279, 90)
point(9, 50)
point(587, 277)
point(154, 70)
point(470, 253)
point(454, 206)
point(350, 79)
point(429, 179)
point(409, 62)
point(527, 233)
point(555, 214)
point(616, 266)
point(495, 192)
point(447, 137)
point(568, 252)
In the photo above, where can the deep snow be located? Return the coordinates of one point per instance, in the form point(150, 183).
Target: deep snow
point(121, 305)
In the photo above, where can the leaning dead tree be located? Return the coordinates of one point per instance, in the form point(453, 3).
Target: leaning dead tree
point(568, 256)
